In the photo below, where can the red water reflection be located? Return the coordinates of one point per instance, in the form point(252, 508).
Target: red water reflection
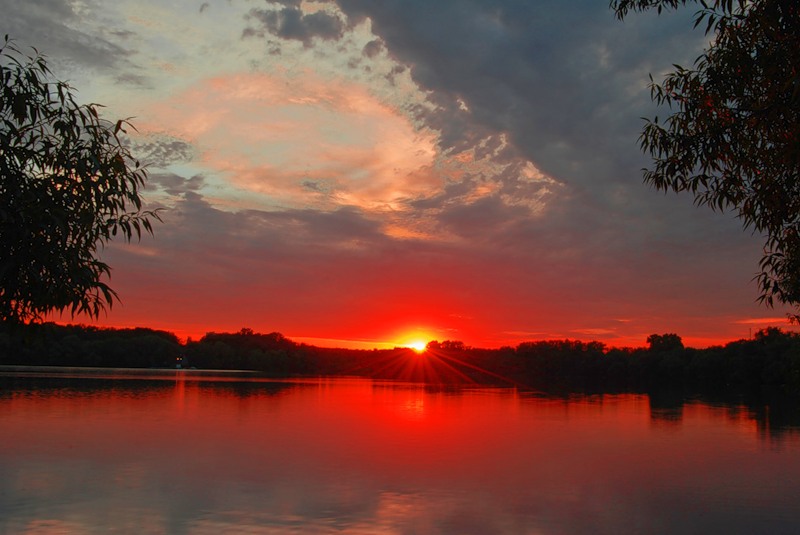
point(357, 454)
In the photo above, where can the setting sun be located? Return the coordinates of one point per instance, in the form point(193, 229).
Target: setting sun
point(417, 345)
point(415, 338)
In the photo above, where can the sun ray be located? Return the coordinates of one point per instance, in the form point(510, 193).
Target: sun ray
point(478, 369)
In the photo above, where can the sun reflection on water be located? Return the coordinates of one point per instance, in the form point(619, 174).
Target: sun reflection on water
point(364, 456)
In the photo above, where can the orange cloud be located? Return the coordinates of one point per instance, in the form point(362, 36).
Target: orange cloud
point(295, 138)
point(762, 321)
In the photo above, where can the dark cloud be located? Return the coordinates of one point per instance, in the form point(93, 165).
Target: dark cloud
point(373, 48)
point(452, 190)
point(260, 232)
point(484, 218)
point(321, 187)
point(54, 22)
point(162, 151)
point(565, 85)
point(175, 185)
point(134, 79)
point(291, 23)
point(312, 186)
point(565, 81)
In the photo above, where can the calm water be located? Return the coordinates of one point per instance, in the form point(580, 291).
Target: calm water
point(183, 455)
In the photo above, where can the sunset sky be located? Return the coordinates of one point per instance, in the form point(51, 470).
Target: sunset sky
point(366, 174)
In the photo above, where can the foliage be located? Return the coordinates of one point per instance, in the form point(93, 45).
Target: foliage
point(48, 344)
point(447, 345)
point(67, 185)
point(664, 342)
point(733, 136)
point(246, 350)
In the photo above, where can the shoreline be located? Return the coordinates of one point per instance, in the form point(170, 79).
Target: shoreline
point(99, 371)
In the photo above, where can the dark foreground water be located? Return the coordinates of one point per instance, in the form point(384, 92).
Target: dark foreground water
point(193, 455)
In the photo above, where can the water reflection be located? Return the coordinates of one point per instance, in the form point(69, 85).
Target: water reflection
point(181, 455)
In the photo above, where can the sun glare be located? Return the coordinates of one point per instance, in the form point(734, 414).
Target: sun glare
point(416, 339)
point(417, 345)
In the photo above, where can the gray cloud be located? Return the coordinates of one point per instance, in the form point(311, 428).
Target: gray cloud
point(54, 22)
point(484, 218)
point(566, 83)
point(291, 23)
point(551, 74)
point(175, 185)
point(162, 151)
point(373, 48)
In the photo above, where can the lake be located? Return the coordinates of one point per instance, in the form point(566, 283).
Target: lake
point(190, 454)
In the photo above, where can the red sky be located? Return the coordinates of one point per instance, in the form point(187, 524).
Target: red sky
point(366, 173)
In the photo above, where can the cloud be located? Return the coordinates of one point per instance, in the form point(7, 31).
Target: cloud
point(57, 27)
point(175, 185)
point(292, 23)
point(562, 82)
point(564, 86)
point(763, 321)
point(596, 332)
point(161, 151)
point(373, 48)
point(380, 147)
point(487, 215)
point(275, 135)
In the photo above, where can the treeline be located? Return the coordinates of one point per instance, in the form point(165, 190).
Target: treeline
point(272, 353)
point(49, 344)
point(771, 359)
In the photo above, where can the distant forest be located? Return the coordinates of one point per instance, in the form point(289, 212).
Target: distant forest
point(769, 360)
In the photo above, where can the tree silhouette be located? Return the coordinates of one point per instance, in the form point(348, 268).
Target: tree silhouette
point(67, 186)
point(733, 136)
point(664, 342)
